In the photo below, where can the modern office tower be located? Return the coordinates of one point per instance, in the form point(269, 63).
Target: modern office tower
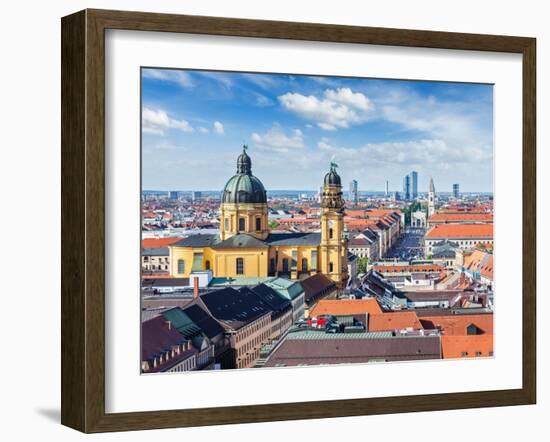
point(352, 196)
point(414, 184)
point(173, 195)
point(431, 198)
point(456, 190)
point(387, 190)
point(407, 187)
point(196, 196)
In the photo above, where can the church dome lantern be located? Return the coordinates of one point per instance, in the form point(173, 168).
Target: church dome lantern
point(332, 178)
point(243, 187)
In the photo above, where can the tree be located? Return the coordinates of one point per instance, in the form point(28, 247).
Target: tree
point(273, 224)
point(362, 264)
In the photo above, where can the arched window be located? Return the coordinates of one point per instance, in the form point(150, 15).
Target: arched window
point(241, 224)
point(285, 265)
point(330, 267)
point(304, 264)
point(181, 266)
point(258, 224)
point(240, 266)
point(330, 233)
point(207, 265)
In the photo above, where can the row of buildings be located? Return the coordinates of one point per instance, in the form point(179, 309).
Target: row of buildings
point(224, 324)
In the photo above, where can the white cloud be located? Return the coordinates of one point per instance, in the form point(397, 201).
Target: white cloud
point(180, 77)
point(203, 130)
point(224, 80)
point(218, 128)
point(263, 101)
point(336, 109)
point(157, 121)
point(275, 139)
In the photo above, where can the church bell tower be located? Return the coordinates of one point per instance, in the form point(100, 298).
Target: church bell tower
point(333, 247)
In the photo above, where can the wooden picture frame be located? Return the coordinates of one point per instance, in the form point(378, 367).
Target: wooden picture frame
point(83, 219)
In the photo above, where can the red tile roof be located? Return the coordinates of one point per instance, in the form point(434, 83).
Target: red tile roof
point(487, 269)
point(393, 321)
point(456, 325)
point(157, 243)
point(476, 231)
point(467, 346)
point(460, 217)
point(408, 268)
point(346, 307)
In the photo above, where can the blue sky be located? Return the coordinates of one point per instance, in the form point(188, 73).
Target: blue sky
point(194, 124)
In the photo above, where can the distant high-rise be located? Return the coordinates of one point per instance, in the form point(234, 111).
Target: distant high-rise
point(431, 198)
point(196, 195)
point(414, 184)
point(387, 192)
point(407, 187)
point(353, 196)
point(456, 191)
point(173, 195)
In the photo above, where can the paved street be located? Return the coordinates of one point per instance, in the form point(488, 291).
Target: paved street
point(408, 246)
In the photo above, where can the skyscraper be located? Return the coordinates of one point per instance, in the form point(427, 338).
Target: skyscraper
point(431, 198)
point(387, 188)
point(352, 196)
point(407, 187)
point(173, 195)
point(414, 184)
point(456, 191)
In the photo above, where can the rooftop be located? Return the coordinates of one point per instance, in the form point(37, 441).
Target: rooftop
point(338, 307)
point(461, 217)
point(235, 308)
point(394, 321)
point(461, 231)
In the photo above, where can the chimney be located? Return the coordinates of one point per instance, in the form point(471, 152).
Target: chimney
point(196, 287)
point(169, 325)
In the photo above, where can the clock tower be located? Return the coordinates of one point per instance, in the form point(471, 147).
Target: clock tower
point(333, 247)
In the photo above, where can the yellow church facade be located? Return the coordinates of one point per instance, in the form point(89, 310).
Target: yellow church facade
point(245, 246)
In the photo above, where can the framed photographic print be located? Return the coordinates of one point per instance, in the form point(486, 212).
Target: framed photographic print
point(267, 221)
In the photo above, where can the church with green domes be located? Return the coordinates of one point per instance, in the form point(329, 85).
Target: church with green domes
point(245, 246)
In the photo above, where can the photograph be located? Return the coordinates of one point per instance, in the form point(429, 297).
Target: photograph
point(304, 220)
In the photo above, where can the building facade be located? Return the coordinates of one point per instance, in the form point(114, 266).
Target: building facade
point(245, 246)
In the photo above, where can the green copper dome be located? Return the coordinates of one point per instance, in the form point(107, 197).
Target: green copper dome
point(244, 187)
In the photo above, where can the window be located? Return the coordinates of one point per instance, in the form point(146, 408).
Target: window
point(258, 224)
point(272, 268)
point(304, 264)
point(226, 223)
point(330, 233)
point(464, 354)
point(241, 224)
point(330, 267)
point(314, 260)
point(181, 266)
point(207, 265)
point(197, 261)
point(240, 266)
point(294, 260)
point(285, 265)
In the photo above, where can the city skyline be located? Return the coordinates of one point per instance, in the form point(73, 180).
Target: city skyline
point(195, 123)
